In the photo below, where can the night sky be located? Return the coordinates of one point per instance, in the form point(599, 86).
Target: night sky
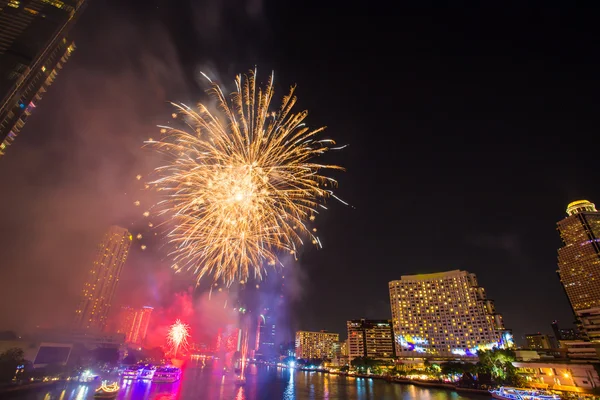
point(470, 130)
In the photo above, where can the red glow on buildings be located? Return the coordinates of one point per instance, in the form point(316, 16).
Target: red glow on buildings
point(228, 340)
point(133, 322)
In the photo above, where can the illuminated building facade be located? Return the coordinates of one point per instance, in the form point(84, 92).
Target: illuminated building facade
point(34, 46)
point(444, 314)
point(540, 341)
point(579, 258)
point(316, 344)
point(370, 338)
point(133, 322)
point(99, 288)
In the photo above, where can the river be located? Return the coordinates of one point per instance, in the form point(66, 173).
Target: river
point(263, 383)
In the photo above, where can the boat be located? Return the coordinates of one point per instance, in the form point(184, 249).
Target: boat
point(508, 393)
point(87, 376)
point(147, 373)
point(132, 372)
point(107, 391)
point(167, 374)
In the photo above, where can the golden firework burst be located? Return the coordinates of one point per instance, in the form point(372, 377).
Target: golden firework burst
point(241, 183)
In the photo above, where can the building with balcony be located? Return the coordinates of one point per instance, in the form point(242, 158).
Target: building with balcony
point(320, 345)
point(445, 314)
point(370, 338)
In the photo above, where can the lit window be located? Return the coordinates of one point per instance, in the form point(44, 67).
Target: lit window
point(14, 3)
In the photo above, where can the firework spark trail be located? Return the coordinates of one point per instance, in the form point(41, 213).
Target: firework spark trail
point(240, 185)
point(177, 336)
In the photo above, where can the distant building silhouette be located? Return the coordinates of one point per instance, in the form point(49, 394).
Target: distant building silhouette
point(101, 283)
point(540, 341)
point(265, 336)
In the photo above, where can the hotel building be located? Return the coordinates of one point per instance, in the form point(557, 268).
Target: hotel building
point(444, 314)
point(34, 46)
point(370, 338)
point(316, 344)
point(101, 283)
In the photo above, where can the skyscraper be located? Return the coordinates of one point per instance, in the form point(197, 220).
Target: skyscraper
point(103, 276)
point(34, 45)
point(444, 314)
point(316, 344)
point(133, 322)
point(579, 258)
point(265, 336)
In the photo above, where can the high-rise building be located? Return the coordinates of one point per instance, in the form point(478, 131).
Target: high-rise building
point(316, 344)
point(34, 46)
point(579, 264)
point(370, 338)
point(103, 276)
point(540, 341)
point(579, 258)
point(133, 322)
point(444, 314)
point(265, 336)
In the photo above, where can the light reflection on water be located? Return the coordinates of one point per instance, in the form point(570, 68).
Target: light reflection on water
point(262, 383)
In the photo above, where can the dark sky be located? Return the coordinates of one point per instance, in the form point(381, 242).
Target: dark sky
point(470, 129)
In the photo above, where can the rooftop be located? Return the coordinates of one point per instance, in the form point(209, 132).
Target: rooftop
point(579, 206)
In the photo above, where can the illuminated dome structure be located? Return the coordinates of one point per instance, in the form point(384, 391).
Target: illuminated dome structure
point(580, 206)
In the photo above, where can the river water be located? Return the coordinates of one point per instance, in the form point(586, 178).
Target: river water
point(263, 382)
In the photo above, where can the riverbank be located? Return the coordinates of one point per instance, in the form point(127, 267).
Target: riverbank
point(16, 389)
point(417, 382)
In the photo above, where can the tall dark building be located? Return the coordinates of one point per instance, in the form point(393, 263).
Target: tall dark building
point(265, 336)
point(34, 45)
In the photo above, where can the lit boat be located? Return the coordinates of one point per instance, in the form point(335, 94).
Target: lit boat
point(507, 393)
point(167, 374)
point(87, 376)
point(147, 372)
point(106, 391)
point(132, 372)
